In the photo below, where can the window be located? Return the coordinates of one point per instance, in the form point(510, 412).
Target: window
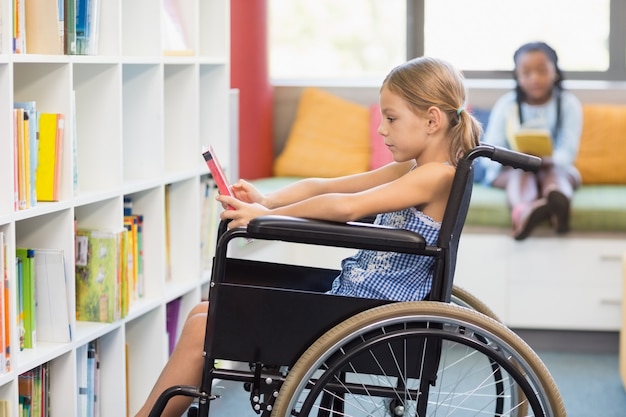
point(361, 40)
point(328, 39)
point(482, 35)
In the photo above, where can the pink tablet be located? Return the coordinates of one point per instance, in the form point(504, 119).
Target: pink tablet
point(217, 172)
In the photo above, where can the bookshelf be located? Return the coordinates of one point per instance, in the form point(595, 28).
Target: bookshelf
point(139, 118)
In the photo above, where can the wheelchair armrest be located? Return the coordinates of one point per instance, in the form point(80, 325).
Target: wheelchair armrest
point(348, 235)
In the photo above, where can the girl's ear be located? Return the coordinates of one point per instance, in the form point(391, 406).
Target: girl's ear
point(434, 116)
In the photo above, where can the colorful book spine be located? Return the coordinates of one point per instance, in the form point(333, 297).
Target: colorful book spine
point(28, 294)
point(51, 132)
point(31, 135)
point(3, 318)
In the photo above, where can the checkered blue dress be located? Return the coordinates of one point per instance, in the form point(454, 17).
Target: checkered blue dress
point(389, 275)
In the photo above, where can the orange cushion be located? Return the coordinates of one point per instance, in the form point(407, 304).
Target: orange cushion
point(601, 156)
point(329, 138)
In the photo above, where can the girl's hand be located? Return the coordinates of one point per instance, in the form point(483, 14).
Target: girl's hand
point(547, 161)
point(241, 212)
point(246, 192)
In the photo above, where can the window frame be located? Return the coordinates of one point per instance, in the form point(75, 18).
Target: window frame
point(617, 45)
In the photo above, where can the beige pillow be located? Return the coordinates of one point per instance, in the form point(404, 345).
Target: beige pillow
point(329, 138)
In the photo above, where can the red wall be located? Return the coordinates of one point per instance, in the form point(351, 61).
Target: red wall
point(249, 73)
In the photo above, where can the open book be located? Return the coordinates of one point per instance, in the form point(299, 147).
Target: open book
point(536, 142)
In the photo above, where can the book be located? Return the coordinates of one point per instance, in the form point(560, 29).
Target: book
point(22, 162)
point(52, 308)
point(209, 222)
point(51, 132)
point(19, 26)
point(536, 142)
point(19, 277)
point(172, 314)
point(31, 134)
point(4, 408)
point(91, 378)
point(3, 317)
point(16, 163)
point(25, 391)
point(97, 272)
point(175, 39)
point(81, 379)
point(42, 27)
point(69, 26)
point(27, 256)
point(7, 315)
point(217, 172)
point(168, 234)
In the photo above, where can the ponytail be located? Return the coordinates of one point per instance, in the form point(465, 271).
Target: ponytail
point(465, 133)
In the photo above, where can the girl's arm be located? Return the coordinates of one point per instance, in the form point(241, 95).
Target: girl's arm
point(310, 187)
point(568, 140)
point(426, 187)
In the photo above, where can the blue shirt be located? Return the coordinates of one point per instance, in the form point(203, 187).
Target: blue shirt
point(544, 116)
point(390, 275)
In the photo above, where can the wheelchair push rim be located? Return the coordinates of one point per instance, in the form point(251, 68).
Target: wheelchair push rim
point(479, 339)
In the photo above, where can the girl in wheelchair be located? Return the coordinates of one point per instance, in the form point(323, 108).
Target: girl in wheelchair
point(426, 128)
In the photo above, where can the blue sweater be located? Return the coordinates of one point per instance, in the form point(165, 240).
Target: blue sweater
point(543, 116)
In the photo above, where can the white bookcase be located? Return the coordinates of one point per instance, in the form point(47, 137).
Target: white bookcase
point(141, 118)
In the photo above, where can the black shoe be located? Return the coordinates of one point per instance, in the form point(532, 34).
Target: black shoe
point(559, 207)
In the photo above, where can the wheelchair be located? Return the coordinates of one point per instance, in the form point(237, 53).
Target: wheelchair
point(313, 354)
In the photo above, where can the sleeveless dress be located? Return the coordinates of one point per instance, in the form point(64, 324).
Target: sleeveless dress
point(389, 275)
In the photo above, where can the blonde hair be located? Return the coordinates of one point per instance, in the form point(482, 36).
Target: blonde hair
point(425, 82)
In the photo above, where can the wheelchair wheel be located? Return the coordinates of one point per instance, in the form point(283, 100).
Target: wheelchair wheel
point(418, 359)
point(464, 298)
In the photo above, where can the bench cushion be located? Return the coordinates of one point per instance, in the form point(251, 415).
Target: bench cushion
point(594, 208)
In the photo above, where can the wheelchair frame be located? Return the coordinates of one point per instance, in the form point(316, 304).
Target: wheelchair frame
point(257, 332)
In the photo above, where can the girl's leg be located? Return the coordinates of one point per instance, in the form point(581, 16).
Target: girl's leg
point(557, 186)
point(184, 366)
point(528, 210)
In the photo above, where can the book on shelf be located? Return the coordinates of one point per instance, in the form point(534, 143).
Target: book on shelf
point(133, 222)
point(50, 162)
point(536, 142)
point(91, 378)
point(7, 313)
point(81, 21)
point(5, 408)
point(34, 391)
point(52, 307)
point(98, 264)
point(31, 135)
point(74, 139)
point(16, 163)
point(209, 221)
point(42, 27)
point(19, 26)
point(168, 233)
point(5, 342)
point(172, 311)
point(87, 361)
point(19, 316)
point(23, 163)
point(69, 27)
point(175, 38)
point(27, 295)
